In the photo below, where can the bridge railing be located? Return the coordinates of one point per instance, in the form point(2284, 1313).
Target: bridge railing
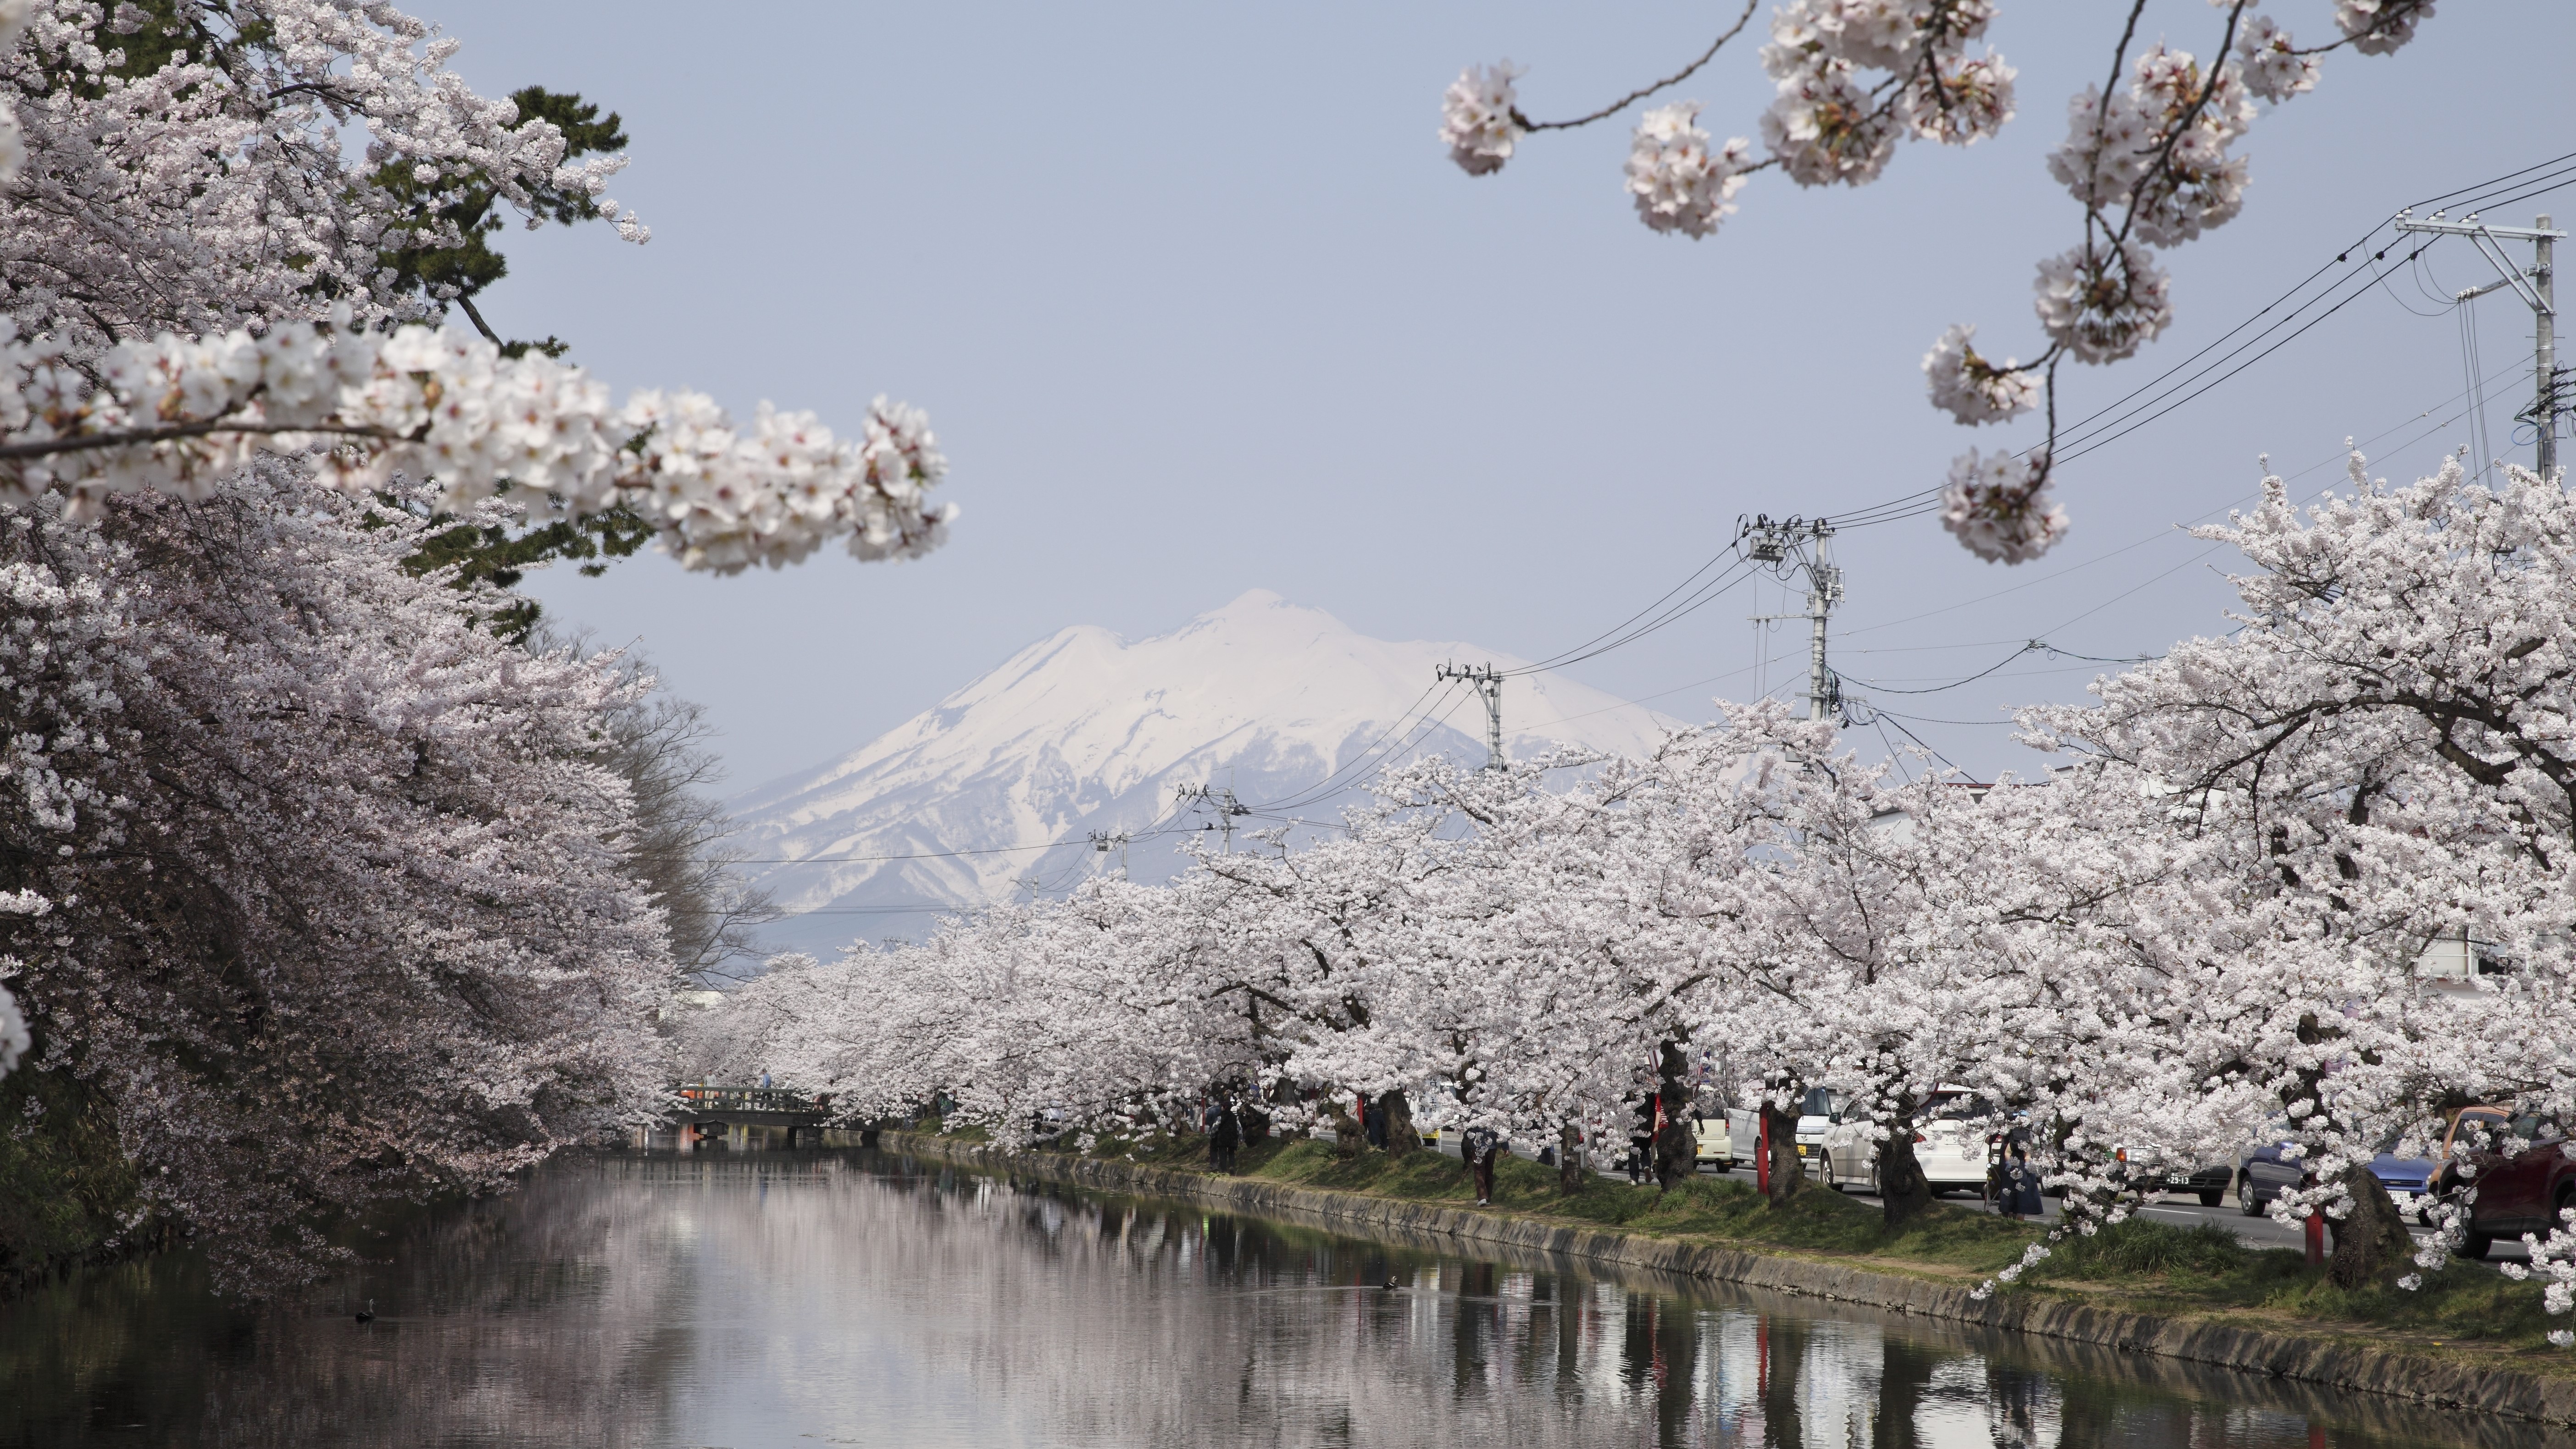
point(703, 1097)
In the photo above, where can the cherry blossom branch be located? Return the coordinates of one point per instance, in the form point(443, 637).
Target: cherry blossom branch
point(446, 406)
point(1667, 83)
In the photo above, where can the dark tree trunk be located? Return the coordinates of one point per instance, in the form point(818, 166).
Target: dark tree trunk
point(1347, 1137)
point(1401, 1135)
point(1676, 1150)
point(2373, 1240)
point(1903, 1191)
point(1570, 1171)
point(1788, 1174)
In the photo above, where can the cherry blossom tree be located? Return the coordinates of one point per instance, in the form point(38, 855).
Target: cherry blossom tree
point(2149, 160)
point(2373, 762)
point(323, 891)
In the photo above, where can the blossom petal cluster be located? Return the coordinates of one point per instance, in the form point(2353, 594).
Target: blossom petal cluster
point(2159, 148)
point(1971, 389)
point(2000, 506)
point(178, 414)
point(2102, 301)
point(2380, 27)
point(1478, 120)
point(2274, 68)
point(1680, 180)
point(1831, 122)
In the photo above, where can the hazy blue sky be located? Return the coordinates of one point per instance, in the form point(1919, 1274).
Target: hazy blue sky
point(1197, 304)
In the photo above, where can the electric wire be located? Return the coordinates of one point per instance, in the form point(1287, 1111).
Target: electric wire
point(1707, 594)
point(1332, 783)
point(2156, 397)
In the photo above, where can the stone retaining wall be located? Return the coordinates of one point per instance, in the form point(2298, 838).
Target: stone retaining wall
point(2335, 1363)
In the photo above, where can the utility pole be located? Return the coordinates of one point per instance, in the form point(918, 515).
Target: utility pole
point(1225, 805)
point(1489, 683)
point(1100, 843)
point(1804, 544)
point(2537, 292)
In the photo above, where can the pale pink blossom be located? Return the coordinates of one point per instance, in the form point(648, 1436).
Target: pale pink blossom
point(1478, 122)
point(1681, 182)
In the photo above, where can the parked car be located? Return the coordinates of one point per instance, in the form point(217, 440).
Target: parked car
point(2517, 1193)
point(1744, 1132)
point(2263, 1173)
point(1949, 1145)
point(2154, 1170)
point(2412, 1182)
point(1716, 1146)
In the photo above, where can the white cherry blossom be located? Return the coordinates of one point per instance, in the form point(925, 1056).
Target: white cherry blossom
point(2274, 69)
point(1680, 181)
point(2000, 506)
point(1970, 388)
point(1478, 122)
point(2101, 302)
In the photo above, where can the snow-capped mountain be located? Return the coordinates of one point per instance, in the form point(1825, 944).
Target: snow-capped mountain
point(1085, 732)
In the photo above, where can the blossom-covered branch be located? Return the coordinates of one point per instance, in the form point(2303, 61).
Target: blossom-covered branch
point(177, 414)
point(2148, 158)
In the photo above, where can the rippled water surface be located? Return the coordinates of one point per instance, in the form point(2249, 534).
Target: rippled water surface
point(797, 1300)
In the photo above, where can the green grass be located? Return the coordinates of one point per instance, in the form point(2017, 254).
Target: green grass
point(2202, 1270)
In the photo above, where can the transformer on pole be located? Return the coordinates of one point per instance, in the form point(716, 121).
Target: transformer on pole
point(2534, 287)
point(1804, 544)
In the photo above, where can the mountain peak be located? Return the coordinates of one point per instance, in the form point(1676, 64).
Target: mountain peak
point(1003, 783)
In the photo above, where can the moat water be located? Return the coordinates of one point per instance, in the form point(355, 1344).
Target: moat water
point(804, 1299)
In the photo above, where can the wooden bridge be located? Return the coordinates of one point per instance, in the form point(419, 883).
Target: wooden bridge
point(745, 1117)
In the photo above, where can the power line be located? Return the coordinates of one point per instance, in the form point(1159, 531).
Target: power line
point(2140, 405)
point(2336, 457)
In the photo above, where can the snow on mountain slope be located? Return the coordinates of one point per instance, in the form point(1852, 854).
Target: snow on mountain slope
point(1086, 732)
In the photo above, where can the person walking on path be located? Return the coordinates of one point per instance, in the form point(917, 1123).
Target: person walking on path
point(1480, 1147)
point(1222, 1142)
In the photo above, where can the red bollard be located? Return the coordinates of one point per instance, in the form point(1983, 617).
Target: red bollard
point(2316, 1238)
point(1762, 1155)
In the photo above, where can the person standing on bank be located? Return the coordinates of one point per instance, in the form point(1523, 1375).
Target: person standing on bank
point(1481, 1147)
point(2020, 1185)
point(1222, 1141)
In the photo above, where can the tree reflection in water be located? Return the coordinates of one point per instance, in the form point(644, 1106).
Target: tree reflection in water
point(848, 1298)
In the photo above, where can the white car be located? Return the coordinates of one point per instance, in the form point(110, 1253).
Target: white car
point(1949, 1142)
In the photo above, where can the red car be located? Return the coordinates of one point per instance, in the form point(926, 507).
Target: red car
point(2524, 1192)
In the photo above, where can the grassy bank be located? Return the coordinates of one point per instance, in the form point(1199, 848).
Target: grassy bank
point(2139, 1266)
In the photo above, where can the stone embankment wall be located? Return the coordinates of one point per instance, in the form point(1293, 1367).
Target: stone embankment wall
point(2346, 1363)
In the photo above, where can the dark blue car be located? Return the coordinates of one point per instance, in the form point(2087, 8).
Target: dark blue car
point(2264, 1172)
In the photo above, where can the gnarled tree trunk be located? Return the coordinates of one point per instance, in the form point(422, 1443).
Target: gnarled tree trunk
point(1401, 1135)
point(2373, 1240)
point(1903, 1190)
point(1788, 1174)
point(1570, 1170)
point(1676, 1148)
